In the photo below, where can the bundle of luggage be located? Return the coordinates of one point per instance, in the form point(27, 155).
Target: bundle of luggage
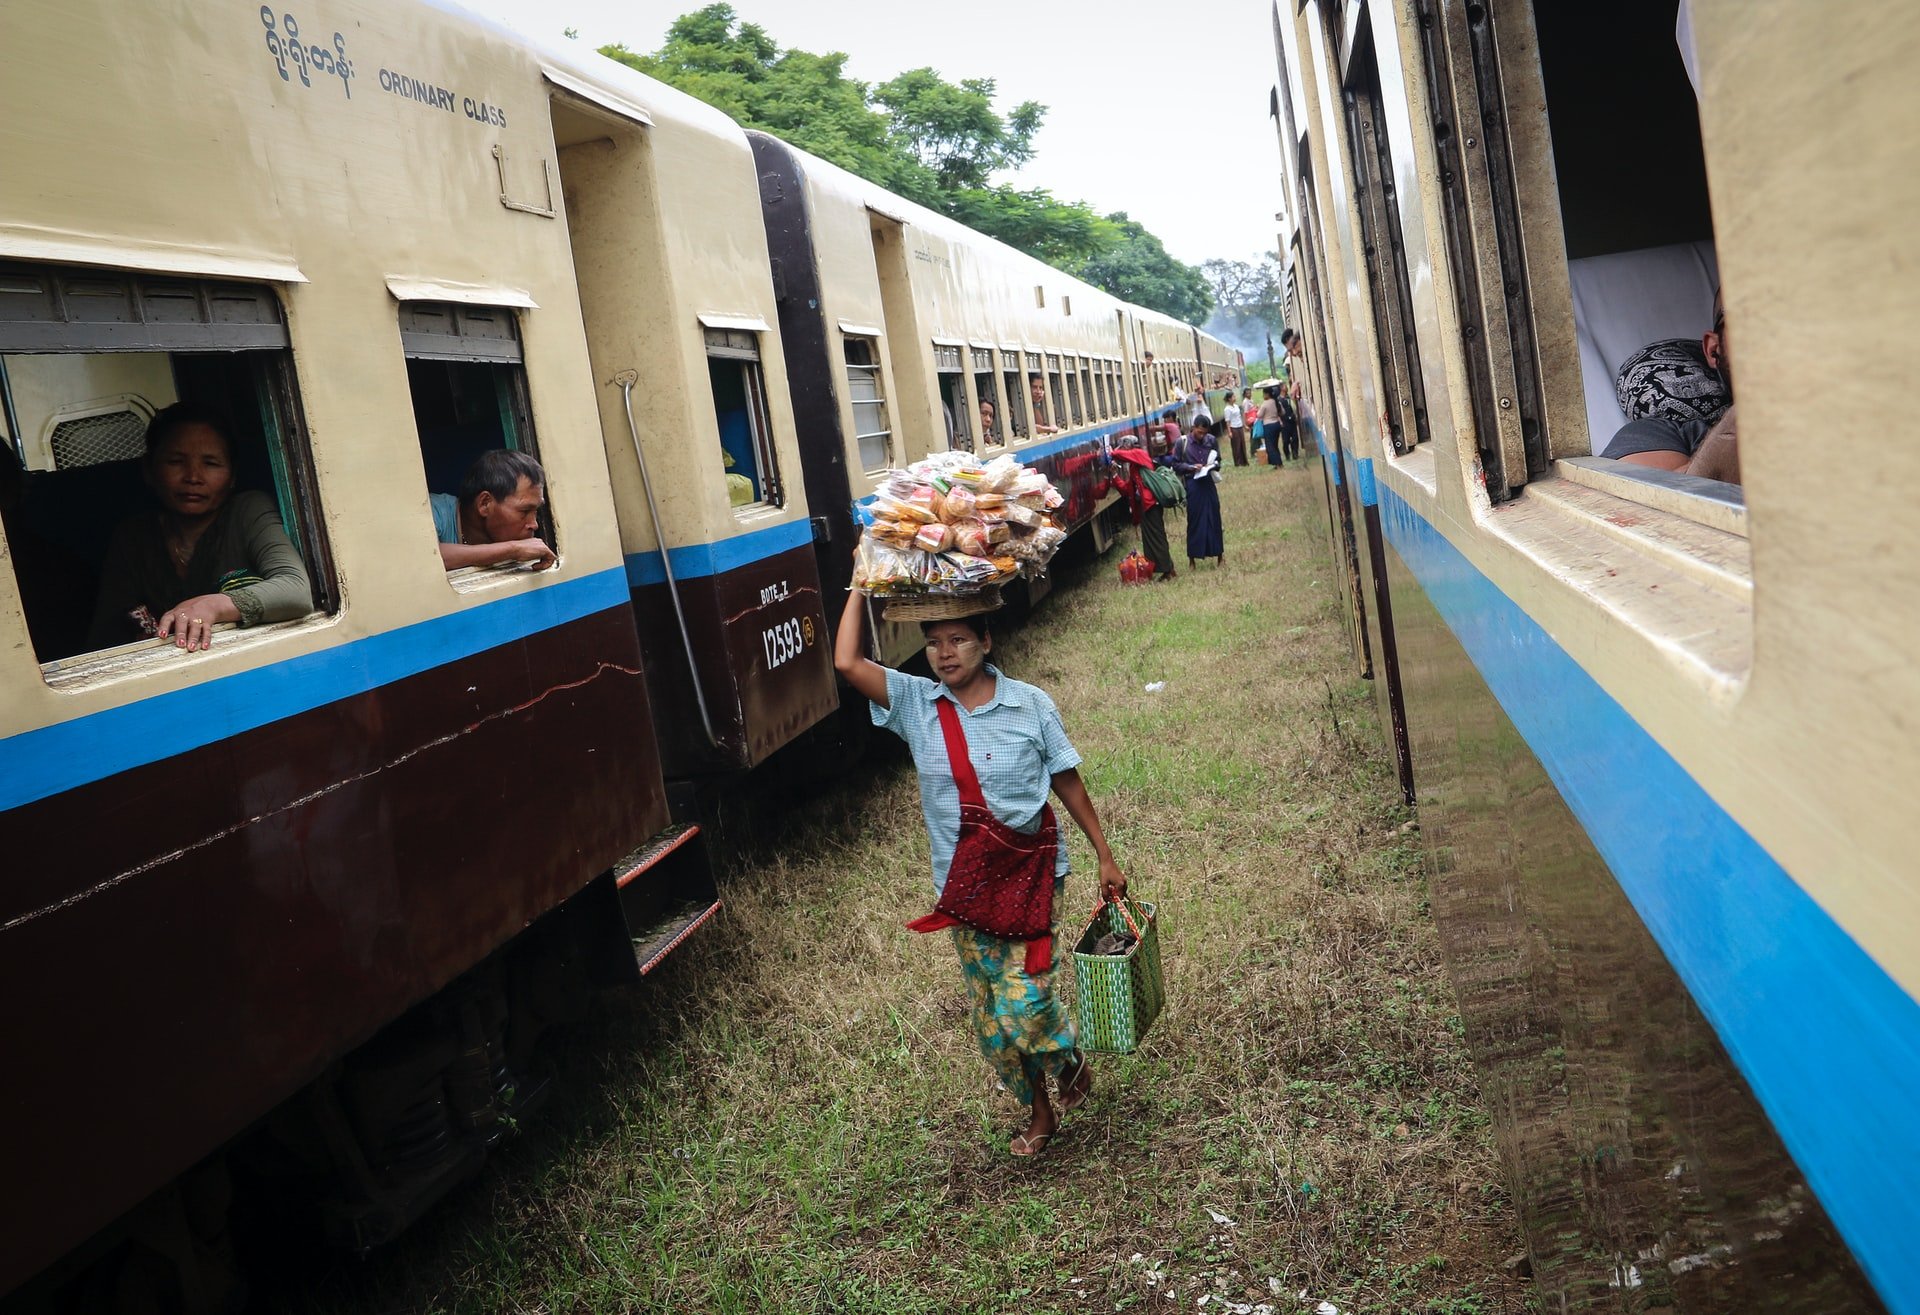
point(955, 525)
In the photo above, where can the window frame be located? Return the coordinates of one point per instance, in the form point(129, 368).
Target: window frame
point(42, 314)
point(749, 358)
point(872, 345)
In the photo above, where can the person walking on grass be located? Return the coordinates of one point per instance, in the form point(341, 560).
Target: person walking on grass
point(1196, 459)
point(988, 749)
point(1129, 464)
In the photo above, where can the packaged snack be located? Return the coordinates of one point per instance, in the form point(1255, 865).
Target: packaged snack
point(960, 504)
point(997, 531)
point(970, 537)
point(1020, 514)
point(886, 506)
point(934, 538)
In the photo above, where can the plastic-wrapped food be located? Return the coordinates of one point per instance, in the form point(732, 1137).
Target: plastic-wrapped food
point(880, 569)
point(919, 510)
point(997, 532)
point(937, 537)
point(970, 537)
point(959, 504)
point(1019, 514)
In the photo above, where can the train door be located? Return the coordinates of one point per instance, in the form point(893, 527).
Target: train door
point(697, 425)
point(920, 429)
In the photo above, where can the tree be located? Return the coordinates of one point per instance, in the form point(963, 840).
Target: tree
point(1250, 301)
point(932, 141)
point(953, 130)
point(1137, 268)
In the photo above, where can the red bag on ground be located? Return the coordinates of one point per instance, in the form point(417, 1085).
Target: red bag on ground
point(1001, 880)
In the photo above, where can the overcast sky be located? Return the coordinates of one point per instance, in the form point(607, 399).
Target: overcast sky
point(1156, 109)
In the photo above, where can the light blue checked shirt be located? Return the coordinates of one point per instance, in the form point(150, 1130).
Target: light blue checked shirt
point(1015, 741)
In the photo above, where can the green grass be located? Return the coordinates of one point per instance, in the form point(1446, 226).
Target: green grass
point(792, 1117)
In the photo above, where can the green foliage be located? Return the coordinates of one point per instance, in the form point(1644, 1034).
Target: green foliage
point(934, 142)
point(1250, 301)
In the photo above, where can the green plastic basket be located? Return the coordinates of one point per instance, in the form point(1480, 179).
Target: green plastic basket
point(1118, 995)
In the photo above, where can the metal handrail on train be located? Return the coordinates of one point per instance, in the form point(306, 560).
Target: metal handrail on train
point(627, 379)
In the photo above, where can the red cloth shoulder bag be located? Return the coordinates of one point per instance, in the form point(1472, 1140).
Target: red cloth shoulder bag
point(1001, 880)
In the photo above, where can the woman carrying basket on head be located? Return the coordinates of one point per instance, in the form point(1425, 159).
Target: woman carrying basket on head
point(988, 750)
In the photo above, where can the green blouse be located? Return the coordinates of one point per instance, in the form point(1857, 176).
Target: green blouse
point(244, 554)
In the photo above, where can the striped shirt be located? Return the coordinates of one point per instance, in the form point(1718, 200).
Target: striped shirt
point(1015, 741)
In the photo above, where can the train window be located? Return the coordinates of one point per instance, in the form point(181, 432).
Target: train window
point(1074, 406)
point(740, 406)
point(1066, 305)
point(1013, 391)
point(953, 396)
point(870, 425)
point(1056, 390)
point(1037, 400)
point(88, 358)
point(991, 432)
point(468, 382)
point(1638, 275)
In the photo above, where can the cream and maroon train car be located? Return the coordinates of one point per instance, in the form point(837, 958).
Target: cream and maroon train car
point(1658, 726)
point(662, 206)
point(908, 333)
point(341, 224)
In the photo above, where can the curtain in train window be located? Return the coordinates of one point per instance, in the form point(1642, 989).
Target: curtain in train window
point(87, 359)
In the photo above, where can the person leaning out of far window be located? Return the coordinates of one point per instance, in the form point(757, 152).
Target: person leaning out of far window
point(1037, 391)
point(209, 555)
point(1689, 445)
point(495, 520)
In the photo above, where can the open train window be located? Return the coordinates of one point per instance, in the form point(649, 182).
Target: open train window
point(467, 379)
point(1057, 390)
point(953, 396)
point(1037, 399)
point(1075, 407)
point(872, 430)
point(1013, 391)
point(1093, 409)
point(740, 407)
point(1634, 211)
point(88, 357)
point(992, 432)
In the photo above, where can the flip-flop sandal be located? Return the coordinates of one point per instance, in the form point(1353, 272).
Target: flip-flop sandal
point(1026, 1147)
point(1072, 1093)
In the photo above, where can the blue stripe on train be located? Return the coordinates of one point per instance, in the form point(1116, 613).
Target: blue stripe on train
point(700, 559)
point(40, 763)
point(1828, 1041)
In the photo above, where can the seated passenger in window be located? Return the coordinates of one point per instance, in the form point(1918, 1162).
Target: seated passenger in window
point(208, 555)
point(988, 435)
point(495, 520)
point(1038, 390)
point(1672, 425)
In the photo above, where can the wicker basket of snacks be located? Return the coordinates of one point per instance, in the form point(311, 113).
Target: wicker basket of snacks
point(948, 531)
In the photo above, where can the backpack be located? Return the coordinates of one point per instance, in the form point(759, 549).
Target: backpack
point(1169, 490)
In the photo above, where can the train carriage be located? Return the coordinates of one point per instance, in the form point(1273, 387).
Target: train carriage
point(306, 899)
point(1653, 721)
point(677, 292)
point(901, 323)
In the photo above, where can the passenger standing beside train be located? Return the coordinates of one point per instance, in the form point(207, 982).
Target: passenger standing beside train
point(1196, 458)
point(209, 555)
point(1236, 428)
point(495, 520)
point(1270, 431)
point(1145, 509)
point(1015, 752)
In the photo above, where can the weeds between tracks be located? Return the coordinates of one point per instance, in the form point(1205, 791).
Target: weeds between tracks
point(794, 1118)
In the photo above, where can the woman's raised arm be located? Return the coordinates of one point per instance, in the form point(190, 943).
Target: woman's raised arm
point(850, 651)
